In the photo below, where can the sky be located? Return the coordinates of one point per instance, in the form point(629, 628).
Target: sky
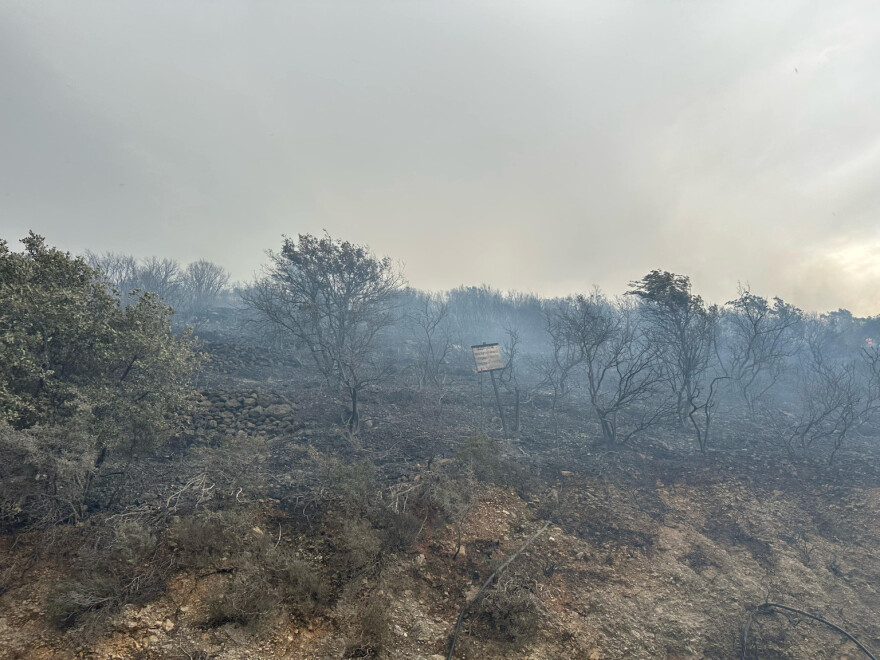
point(542, 146)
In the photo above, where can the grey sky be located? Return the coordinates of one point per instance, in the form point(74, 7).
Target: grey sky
point(543, 146)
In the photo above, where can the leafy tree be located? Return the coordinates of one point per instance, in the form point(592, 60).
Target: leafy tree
point(334, 298)
point(73, 355)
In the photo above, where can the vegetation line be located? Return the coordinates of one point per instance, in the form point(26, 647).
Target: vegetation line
point(487, 584)
point(809, 616)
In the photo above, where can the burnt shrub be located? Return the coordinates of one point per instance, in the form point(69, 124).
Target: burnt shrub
point(120, 563)
point(266, 576)
point(44, 476)
point(511, 609)
point(482, 457)
point(265, 583)
point(365, 623)
point(203, 539)
point(401, 530)
point(359, 545)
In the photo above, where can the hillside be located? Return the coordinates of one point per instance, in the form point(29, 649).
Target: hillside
point(268, 531)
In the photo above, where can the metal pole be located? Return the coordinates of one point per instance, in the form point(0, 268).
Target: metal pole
point(482, 428)
point(498, 401)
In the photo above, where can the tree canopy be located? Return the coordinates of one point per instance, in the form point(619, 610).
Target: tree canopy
point(71, 352)
point(334, 298)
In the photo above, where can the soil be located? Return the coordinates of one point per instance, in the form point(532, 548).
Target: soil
point(653, 551)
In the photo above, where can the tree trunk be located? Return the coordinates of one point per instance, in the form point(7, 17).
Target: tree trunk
point(354, 419)
point(609, 431)
point(516, 412)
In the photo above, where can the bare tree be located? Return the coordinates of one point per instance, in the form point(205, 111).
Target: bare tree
point(334, 298)
point(868, 369)
point(828, 402)
point(682, 329)
point(429, 322)
point(202, 282)
point(126, 274)
point(159, 276)
point(508, 376)
point(565, 356)
point(759, 338)
point(117, 269)
point(622, 368)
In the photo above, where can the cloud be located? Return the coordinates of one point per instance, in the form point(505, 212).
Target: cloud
point(542, 146)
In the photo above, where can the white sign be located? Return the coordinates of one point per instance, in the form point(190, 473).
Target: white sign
point(487, 357)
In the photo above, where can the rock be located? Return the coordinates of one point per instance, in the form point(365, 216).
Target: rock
point(279, 410)
point(168, 625)
point(422, 631)
point(419, 560)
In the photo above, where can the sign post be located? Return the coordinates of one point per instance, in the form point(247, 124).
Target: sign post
point(488, 358)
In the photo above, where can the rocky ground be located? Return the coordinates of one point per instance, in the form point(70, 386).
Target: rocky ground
point(649, 553)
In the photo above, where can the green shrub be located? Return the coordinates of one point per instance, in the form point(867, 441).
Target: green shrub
point(401, 530)
point(44, 476)
point(263, 583)
point(265, 576)
point(298, 583)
